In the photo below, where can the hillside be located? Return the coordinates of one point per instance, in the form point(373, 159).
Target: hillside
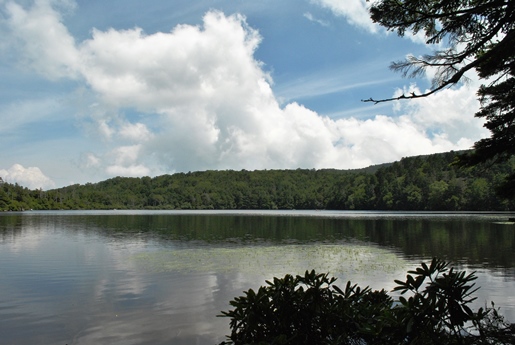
point(416, 183)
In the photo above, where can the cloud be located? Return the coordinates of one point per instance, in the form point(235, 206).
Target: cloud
point(42, 38)
point(328, 82)
point(18, 114)
point(448, 114)
point(89, 160)
point(355, 11)
point(124, 162)
point(32, 177)
point(137, 132)
point(312, 18)
point(195, 98)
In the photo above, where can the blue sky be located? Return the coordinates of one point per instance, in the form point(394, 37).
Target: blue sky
point(96, 89)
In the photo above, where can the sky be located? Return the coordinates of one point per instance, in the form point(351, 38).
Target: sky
point(91, 90)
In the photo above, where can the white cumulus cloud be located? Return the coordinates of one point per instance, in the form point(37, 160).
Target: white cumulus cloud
point(355, 11)
point(204, 102)
point(137, 132)
point(31, 177)
point(42, 38)
point(449, 114)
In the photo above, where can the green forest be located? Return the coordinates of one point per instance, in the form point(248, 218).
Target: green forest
point(425, 183)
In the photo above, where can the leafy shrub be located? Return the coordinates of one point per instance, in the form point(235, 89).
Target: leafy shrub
point(310, 309)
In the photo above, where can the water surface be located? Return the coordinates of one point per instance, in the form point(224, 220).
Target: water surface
point(161, 277)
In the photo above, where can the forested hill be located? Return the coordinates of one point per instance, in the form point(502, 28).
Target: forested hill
point(415, 183)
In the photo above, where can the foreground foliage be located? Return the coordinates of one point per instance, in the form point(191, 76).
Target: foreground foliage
point(311, 309)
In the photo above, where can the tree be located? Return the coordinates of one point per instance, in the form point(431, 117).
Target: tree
point(481, 37)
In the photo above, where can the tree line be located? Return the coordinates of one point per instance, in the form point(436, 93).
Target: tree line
point(429, 183)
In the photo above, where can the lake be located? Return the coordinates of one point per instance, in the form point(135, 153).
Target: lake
point(162, 277)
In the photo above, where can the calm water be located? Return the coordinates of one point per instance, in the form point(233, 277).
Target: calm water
point(162, 277)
